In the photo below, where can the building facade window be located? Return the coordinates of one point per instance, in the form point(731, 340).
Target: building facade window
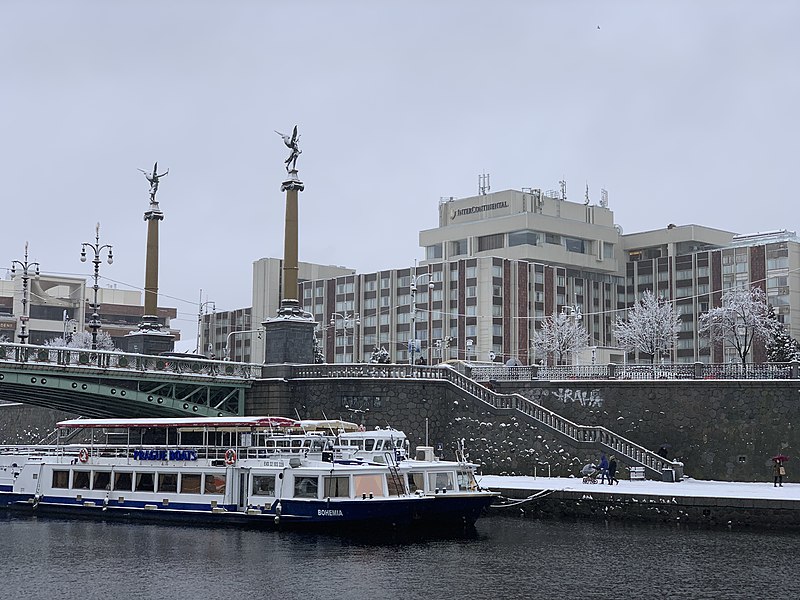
point(433, 252)
point(491, 242)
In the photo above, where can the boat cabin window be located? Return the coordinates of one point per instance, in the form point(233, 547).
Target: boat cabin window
point(466, 481)
point(379, 444)
point(61, 479)
point(336, 487)
point(190, 483)
point(123, 482)
point(306, 487)
point(167, 482)
point(101, 480)
point(145, 482)
point(416, 481)
point(442, 480)
point(368, 484)
point(80, 480)
point(395, 485)
point(263, 485)
point(214, 484)
point(369, 445)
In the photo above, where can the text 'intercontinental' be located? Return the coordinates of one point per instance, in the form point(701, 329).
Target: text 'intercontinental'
point(478, 209)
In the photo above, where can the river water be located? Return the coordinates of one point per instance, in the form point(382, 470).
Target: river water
point(503, 558)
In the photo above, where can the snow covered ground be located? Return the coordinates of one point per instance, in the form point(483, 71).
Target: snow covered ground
point(688, 487)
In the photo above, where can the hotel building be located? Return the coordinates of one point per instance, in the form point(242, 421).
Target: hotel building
point(500, 263)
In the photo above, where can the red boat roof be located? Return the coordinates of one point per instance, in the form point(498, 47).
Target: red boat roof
point(210, 422)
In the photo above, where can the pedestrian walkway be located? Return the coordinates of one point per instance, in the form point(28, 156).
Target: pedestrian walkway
point(688, 488)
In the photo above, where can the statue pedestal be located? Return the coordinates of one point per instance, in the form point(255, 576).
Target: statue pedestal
point(289, 337)
point(150, 339)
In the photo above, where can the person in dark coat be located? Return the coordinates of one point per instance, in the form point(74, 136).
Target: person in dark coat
point(612, 470)
point(778, 471)
point(603, 467)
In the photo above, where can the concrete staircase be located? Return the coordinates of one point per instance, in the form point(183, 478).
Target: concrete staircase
point(589, 437)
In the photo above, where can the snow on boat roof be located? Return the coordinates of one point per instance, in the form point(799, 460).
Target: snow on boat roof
point(329, 424)
point(179, 422)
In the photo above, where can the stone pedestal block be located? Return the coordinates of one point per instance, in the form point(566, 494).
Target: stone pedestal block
point(149, 342)
point(289, 336)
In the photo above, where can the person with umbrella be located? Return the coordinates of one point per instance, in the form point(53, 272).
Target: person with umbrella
point(778, 470)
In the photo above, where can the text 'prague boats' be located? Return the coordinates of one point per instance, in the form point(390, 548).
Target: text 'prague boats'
point(263, 471)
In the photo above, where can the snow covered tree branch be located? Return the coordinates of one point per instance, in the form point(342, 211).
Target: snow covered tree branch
point(560, 335)
point(781, 347)
point(83, 340)
point(743, 318)
point(651, 327)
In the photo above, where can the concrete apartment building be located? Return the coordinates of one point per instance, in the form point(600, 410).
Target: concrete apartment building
point(236, 334)
point(500, 263)
point(59, 305)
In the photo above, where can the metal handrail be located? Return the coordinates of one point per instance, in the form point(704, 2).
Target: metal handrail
point(579, 434)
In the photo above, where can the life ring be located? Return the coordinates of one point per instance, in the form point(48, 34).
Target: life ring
point(230, 456)
point(83, 455)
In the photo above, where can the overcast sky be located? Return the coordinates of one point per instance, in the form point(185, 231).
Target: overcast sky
point(686, 112)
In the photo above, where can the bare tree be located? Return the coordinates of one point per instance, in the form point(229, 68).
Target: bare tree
point(560, 335)
point(651, 327)
point(743, 318)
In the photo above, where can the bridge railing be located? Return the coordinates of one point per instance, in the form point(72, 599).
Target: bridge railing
point(368, 370)
point(111, 359)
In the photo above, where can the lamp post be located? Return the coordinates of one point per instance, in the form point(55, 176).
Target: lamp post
point(573, 313)
point(94, 324)
point(25, 266)
point(412, 343)
point(232, 333)
point(200, 314)
point(350, 321)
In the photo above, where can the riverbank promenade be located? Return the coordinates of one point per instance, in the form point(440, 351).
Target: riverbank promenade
point(688, 501)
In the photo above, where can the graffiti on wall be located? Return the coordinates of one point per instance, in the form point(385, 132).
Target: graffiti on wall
point(591, 398)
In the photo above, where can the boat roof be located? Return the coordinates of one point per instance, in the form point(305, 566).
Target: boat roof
point(327, 425)
point(208, 422)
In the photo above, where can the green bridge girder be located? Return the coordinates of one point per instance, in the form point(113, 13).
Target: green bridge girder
point(99, 393)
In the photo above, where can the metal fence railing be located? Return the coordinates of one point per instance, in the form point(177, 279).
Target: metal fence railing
point(109, 359)
point(483, 373)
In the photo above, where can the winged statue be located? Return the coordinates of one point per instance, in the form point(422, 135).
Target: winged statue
point(291, 143)
point(153, 178)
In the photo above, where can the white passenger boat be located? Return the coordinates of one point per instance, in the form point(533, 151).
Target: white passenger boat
point(264, 471)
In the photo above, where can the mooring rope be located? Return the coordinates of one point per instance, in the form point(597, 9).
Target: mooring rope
point(528, 499)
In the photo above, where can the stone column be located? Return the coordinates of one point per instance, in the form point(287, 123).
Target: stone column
point(291, 186)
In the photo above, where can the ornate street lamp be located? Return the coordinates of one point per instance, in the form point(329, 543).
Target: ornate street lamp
point(25, 266)
point(412, 343)
point(94, 324)
point(348, 322)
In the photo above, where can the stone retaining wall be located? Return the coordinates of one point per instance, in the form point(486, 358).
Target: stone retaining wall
point(724, 430)
point(678, 510)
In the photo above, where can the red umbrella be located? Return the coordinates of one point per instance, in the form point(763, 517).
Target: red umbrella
point(780, 458)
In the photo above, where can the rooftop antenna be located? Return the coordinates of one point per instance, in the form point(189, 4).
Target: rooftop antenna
point(604, 198)
point(563, 184)
point(483, 184)
point(586, 197)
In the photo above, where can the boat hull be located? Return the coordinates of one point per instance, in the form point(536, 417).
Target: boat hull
point(428, 513)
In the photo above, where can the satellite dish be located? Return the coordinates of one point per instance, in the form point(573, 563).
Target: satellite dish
point(618, 228)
